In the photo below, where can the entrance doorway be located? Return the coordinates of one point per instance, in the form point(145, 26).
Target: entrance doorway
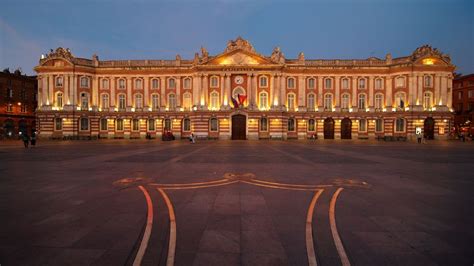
point(346, 128)
point(329, 128)
point(239, 125)
point(429, 128)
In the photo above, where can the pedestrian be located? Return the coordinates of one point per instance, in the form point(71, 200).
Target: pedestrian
point(26, 139)
point(418, 136)
point(192, 138)
point(33, 139)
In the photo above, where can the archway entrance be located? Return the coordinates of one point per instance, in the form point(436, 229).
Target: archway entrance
point(429, 128)
point(346, 128)
point(239, 126)
point(329, 128)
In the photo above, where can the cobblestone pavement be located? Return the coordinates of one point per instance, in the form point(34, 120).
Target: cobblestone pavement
point(117, 202)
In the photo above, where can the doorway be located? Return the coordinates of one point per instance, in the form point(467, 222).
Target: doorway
point(239, 126)
point(346, 128)
point(329, 128)
point(429, 128)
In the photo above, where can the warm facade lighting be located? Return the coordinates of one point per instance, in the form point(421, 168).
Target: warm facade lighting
point(428, 61)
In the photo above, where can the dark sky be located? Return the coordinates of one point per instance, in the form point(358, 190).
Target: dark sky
point(149, 29)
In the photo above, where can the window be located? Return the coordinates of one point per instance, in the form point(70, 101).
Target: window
point(59, 99)
point(470, 106)
point(345, 83)
point(138, 101)
point(23, 94)
point(23, 108)
point(361, 83)
point(155, 101)
point(345, 98)
point(58, 123)
point(9, 107)
point(361, 103)
point(311, 83)
point(104, 101)
point(399, 82)
point(155, 83)
point(400, 100)
point(135, 124)
point(291, 101)
point(84, 123)
point(400, 125)
point(186, 124)
point(291, 125)
point(84, 100)
point(167, 124)
point(59, 81)
point(328, 83)
point(119, 124)
point(214, 124)
point(459, 107)
point(263, 81)
point(291, 83)
point(121, 84)
point(263, 100)
point(362, 125)
point(214, 82)
point(311, 125)
point(105, 83)
point(103, 124)
point(138, 84)
point(263, 124)
point(379, 125)
point(151, 124)
point(171, 83)
point(121, 101)
point(470, 93)
point(378, 84)
point(171, 101)
point(187, 101)
point(328, 101)
point(214, 101)
point(378, 101)
point(459, 95)
point(428, 81)
point(9, 93)
point(187, 83)
point(84, 82)
point(311, 101)
point(427, 100)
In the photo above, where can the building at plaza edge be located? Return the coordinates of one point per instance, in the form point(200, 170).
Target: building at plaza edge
point(241, 94)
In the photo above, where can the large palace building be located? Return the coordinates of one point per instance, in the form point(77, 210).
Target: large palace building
point(241, 94)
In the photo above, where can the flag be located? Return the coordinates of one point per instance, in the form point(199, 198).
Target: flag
point(242, 99)
point(234, 102)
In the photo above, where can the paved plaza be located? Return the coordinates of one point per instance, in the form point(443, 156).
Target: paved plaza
point(125, 202)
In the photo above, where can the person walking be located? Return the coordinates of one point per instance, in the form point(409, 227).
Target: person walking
point(33, 139)
point(26, 139)
point(418, 136)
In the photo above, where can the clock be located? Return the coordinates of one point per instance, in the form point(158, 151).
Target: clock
point(239, 80)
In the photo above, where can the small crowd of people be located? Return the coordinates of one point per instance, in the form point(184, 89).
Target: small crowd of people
point(27, 139)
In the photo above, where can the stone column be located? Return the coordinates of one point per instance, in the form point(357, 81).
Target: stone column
point(178, 91)
point(437, 89)
point(337, 80)
point(66, 90)
point(301, 92)
point(112, 92)
point(419, 100)
point(388, 93)
point(51, 89)
point(253, 102)
point(271, 94)
point(196, 80)
point(74, 91)
point(411, 90)
point(371, 93)
point(163, 91)
point(444, 90)
point(228, 92)
point(222, 90)
point(354, 92)
point(146, 85)
point(205, 91)
point(44, 89)
point(95, 91)
point(320, 93)
point(449, 89)
point(129, 92)
point(282, 91)
point(249, 88)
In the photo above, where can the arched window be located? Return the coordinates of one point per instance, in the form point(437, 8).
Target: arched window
point(187, 83)
point(311, 83)
point(138, 101)
point(104, 101)
point(291, 83)
point(328, 83)
point(171, 83)
point(59, 99)
point(84, 82)
point(105, 83)
point(238, 91)
point(121, 101)
point(119, 124)
point(135, 124)
point(263, 100)
point(311, 125)
point(328, 101)
point(400, 125)
point(400, 82)
point(345, 99)
point(428, 82)
point(263, 82)
point(59, 81)
point(103, 124)
point(345, 83)
point(121, 84)
point(155, 83)
point(151, 124)
point(291, 125)
point(379, 125)
point(362, 125)
point(155, 101)
point(138, 84)
point(427, 100)
point(400, 100)
point(171, 101)
point(214, 82)
point(378, 84)
point(263, 124)
point(362, 83)
point(214, 101)
point(84, 100)
point(186, 125)
point(84, 123)
point(361, 103)
point(291, 101)
point(378, 101)
point(214, 124)
point(187, 103)
point(58, 123)
point(311, 105)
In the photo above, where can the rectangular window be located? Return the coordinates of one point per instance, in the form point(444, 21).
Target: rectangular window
point(459, 95)
point(151, 124)
point(362, 125)
point(84, 124)
point(155, 84)
point(328, 83)
point(379, 125)
point(214, 124)
point(263, 124)
point(84, 82)
point(58, 123)
point(187, 83)
point(311, 83)
point(119, 124)
point(345, 84)
point(263, 82)
point(135, 124)
point(470, 93)
point(9, 107)
point(459, 107)
point(23, 108)
point(400, 125)
point(470, 107)
point(291, 125)
point(103, 124)
point(361, 83)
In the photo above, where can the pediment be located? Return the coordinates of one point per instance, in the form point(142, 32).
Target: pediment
point(238, 58)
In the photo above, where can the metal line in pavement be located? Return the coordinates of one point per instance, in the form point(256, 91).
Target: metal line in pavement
point(335, 234)
point(309, 230)
point(172, 241)
point(147, 233)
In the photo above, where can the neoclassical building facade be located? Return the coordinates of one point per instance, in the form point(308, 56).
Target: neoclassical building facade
point(285, 98)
